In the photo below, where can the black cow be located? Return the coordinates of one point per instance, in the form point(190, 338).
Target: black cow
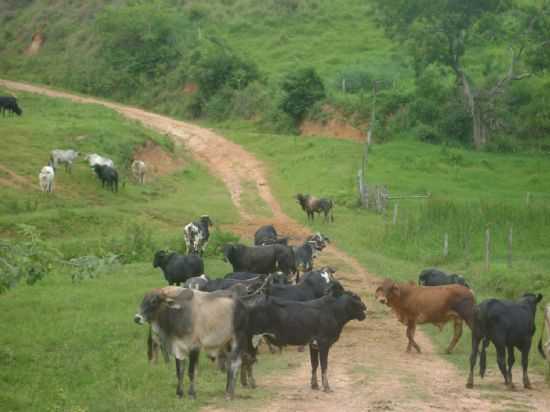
point(178, 268)
point(260, 259)
point(267, 235)
point(277, 277)
point(308, 251)
point(311, 205)
point(312, 286)
point(251, 285)
point(196, 235)
point(197, 282)
point(9, 104)
point(436, 277)
point(508, 325)
point(107, 175)
point(316, 323)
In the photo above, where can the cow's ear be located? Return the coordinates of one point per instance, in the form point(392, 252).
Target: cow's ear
point(395, 290)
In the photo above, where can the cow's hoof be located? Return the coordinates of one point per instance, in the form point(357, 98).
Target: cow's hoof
point(470, 385)
point(527, 386)
point(327, 389)
point(315, 386)
point(179, 394)
point(192, 395)
point(228, 397)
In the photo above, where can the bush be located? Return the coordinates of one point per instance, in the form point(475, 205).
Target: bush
point(502, 144)
point(216, 241)
point(427, 134)
point(302, 88)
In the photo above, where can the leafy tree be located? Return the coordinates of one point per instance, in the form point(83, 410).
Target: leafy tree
point(448, 32)
point(302, 88)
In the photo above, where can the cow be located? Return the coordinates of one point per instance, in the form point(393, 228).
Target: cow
point(436, 277)
point(312, 286)
point(305, 253)
point(545, 351)
point(317, 323)
point(276, 278)
point(46, 179)
point(9, 104)
point(196, 235)
point(197, 282)
point(436, 305)
point(66, 157)
point(267, 235)
point(260, 259)
point(178, 268)
point(508, 325)
point(311, 205)
point(95, 159)
point(108, 176)
point(251, 285)
point(185, 321)
point(139, 168)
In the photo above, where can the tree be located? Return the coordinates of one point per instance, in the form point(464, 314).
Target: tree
point(302, 88)
point(455, 34)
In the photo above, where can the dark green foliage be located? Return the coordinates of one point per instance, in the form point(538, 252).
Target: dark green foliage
point(302, 88)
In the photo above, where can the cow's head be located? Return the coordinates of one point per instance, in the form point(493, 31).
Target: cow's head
point(301, 199)
point(531, 299)
point(206, 220)
point(159, 258)
point(387, 291)
point(155, 300)
point(354, 306)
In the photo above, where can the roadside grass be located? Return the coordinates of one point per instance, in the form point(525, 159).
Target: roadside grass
point(469, 191)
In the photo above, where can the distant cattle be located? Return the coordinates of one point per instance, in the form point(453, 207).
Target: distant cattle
point(178, 268)
point(545, 350)
point(46, 179)
point(260, 259)
point(95, 159)
point(108, 176)
point(508, 325)
point(267, 235)
point(9, 104)
point(436, 305)
point(436, 277)
point(317, 323)
point(311, 205)
point(184, 321)
point(66, 157)
point(139, 169)
point(196, 235)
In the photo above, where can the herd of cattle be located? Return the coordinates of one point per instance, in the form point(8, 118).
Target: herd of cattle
point(265, 298)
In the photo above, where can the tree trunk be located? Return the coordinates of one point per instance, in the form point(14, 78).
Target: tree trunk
point(480, 131)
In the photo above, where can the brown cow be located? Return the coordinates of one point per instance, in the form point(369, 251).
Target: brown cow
point(436, 305)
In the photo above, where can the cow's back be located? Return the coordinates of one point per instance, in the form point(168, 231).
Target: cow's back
point(213, 318)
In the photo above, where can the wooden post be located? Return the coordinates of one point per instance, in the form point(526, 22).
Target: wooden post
point(395, 209)
point(343, 85)
point(467, 248)
point(527, 198)
point(446, 245)
point(510, 233)
point(487, 248)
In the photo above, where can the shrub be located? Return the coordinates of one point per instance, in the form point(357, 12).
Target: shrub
point(302, 88)
point(217, 239)
point(427, 134)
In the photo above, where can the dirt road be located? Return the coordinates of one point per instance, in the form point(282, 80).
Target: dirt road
point(368, 368)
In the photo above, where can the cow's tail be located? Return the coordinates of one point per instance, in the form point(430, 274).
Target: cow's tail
point(331, 211)
point(539, 346)
point(150, 352)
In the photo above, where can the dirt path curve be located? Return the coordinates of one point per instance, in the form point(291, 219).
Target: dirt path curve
point(368, 368)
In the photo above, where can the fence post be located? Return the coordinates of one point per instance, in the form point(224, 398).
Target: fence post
point(487, 248)
point(395, 209)
point(510, 234)
point(527, 199)
point(446, 245)
point(467, 248)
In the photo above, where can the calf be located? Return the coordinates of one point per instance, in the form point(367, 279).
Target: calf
point(260, 259)
point(107, 175)
point(311, 205)
point(196, 235)
point(66, 157)
point(138, 170)
point(184, 321)
point(317, 323)
point(46, 179)
point(267, 235)
point(508, 325)
point(436, 277)
point(545, 352)
point(436, 305)
point(9, 104)
point(178, 268)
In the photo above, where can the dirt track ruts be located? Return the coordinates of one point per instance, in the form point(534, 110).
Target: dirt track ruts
point(368, 367)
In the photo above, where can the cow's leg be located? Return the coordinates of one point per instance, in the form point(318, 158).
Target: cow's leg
point(457, 334)
point(511, 360)
point(247, 374)
point(180, 366)
point(314, 357)
point(525, 364)
point(234, 360)
point(411, 328)
point(323, 352)
point(501, 361)
point(473, 359)
point(193, 362)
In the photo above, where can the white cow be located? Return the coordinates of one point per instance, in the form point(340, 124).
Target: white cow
point(67, 157)
point(138, 170)
point(95, 159)
point(46, 178)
